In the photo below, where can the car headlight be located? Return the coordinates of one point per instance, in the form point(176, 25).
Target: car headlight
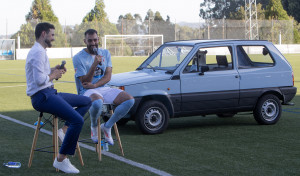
point(118, 87)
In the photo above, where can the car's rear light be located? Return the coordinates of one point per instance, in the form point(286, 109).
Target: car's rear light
point(293, 78)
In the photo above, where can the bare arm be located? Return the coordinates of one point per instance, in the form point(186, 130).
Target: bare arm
point(89, 76)
point(105, 79)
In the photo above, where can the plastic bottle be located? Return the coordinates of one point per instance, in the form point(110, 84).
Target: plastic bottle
point(11, 164)
point(41, 123)
point(104, 145)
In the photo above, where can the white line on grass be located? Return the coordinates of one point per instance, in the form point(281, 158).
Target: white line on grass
point(58, 82)
point(12, 86)
point(116, 157)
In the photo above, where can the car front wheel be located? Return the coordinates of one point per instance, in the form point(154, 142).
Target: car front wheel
point(267, 110)
point(152, 117)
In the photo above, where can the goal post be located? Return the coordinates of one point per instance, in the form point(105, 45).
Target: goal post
point(132, 45)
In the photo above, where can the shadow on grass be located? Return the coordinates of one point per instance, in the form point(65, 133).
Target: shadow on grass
point(239, 120)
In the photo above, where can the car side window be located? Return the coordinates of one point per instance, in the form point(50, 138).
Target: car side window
point(254, 56)
point(210, 59)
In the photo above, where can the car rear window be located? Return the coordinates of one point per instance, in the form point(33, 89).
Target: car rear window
point(254, 56)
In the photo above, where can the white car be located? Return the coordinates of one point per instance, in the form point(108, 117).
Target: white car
point(201, 77)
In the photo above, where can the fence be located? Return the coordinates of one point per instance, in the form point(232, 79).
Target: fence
point(72, 36)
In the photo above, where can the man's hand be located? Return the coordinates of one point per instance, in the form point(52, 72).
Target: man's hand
point(58, 67)
point(98, 59)
point(88, 85)
point(56, 74)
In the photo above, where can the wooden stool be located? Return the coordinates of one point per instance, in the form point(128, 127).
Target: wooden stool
point(107, 110)
point(54, 139)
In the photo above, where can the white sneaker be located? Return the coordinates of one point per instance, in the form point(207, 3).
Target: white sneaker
point(61, 135)
point(65, 166)
point(94, 134)
point(107, 134)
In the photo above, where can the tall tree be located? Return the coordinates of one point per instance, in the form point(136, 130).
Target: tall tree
point(274, 10)
point(41, 10)
point(218, 9)
point(97, 13)
point(96, 19)
point(158, 17)
point(292, 7)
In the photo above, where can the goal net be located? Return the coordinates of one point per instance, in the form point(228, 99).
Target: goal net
point(7, 49)
point(132, 45)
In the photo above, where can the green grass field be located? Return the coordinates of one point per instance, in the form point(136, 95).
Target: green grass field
point(190, 146)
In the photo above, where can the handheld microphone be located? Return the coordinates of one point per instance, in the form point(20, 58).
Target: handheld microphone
point(63, 63)
point(96, 53)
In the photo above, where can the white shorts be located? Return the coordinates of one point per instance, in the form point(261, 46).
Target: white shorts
point(107, 93)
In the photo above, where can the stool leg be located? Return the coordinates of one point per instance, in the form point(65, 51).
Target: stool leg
point(118, 138)
point(98, 149)
point(117, 135)
point(36, 135)
point(55, 137)
point(79, 154)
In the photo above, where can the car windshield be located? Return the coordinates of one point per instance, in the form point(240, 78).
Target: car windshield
point(167, 58)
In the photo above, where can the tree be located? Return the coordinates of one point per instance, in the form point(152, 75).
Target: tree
point(292, 7)
point(274, 10)
point(97, 13)
point(240, 14)
point(158, 17)
point(218, 9)
point(40, 11)
point(95, 19)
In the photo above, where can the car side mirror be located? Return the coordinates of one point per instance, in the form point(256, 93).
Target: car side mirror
point(265, 51)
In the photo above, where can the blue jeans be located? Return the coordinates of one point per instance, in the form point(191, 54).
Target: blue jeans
point(61, 105)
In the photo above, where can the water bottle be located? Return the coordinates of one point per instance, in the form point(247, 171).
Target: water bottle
point(41, 123)
point(11, 164)
point(104, 145)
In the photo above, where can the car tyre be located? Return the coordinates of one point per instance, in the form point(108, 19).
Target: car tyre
point(268, 110)
point(152, 117)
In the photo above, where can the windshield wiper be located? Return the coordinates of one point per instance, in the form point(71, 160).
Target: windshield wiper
point(150, 67)
point(170, 71)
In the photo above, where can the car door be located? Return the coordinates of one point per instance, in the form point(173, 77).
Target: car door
point(213, 85)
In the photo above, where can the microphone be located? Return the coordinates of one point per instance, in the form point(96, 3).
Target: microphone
point(96, 53)
point(63, 63)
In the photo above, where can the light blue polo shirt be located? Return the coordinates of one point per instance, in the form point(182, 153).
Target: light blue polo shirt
point(82, 63)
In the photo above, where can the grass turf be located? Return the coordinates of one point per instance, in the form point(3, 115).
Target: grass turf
point(190, 146)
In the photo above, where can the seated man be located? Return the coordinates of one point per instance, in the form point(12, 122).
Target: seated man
point(44, 98)
point(93, 69)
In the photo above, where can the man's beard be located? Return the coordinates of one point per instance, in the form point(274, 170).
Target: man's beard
point(90, 48)
point(48, 42)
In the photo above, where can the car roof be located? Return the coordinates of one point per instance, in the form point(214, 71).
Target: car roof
point(194, 42)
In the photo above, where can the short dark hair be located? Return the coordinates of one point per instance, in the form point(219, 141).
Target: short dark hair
point(42, 27)
point(90, 32)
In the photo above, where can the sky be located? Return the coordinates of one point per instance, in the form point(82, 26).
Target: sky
point(71, 12)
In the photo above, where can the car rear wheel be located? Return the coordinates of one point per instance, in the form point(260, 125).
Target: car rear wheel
point(267, 110)
point(152, 117)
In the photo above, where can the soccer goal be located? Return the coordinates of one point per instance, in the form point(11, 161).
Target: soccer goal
point(132, 45)
point(7, 49)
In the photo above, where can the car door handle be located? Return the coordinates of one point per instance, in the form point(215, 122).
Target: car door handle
point(236, 76)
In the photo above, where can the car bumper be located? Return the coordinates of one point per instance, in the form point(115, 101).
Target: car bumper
point(288, 93)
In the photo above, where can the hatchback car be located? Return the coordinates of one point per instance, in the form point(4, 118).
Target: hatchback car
point(201, 77)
